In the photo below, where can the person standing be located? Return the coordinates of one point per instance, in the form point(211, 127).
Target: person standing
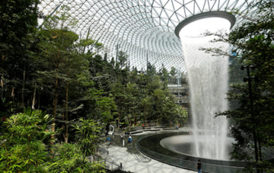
point(107, 128)
point(199, 166)
point(129, 139)
point(123, 139)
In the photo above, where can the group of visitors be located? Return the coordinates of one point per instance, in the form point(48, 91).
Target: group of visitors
point(108, 135)
point(129, 140)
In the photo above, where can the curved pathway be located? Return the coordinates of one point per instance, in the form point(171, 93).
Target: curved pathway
point(133, 163)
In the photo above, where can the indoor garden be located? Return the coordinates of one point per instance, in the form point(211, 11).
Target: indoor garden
point(137, 86)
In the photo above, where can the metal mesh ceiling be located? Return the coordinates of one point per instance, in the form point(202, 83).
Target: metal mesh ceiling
point(144, 29)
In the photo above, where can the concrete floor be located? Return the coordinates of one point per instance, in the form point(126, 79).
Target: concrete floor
point(136, 163)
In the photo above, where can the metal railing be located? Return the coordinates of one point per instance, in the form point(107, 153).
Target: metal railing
point(187, 162)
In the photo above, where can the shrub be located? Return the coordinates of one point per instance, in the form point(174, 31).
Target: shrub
point(22, 145)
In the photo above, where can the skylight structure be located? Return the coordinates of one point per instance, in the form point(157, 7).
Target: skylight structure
point(144, 29)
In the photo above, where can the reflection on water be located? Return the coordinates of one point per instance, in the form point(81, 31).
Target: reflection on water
point(184, 144)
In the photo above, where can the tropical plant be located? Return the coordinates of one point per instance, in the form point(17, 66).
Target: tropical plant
point(68, 158)
point(23, 145)
point(88, 132)
point(252, 112)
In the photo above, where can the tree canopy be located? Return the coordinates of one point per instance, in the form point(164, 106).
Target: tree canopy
point(252, 118)
point(57, 93)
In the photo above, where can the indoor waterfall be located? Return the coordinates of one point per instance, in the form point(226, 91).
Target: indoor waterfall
point(208, 83)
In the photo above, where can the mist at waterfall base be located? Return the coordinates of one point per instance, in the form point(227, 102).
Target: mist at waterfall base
point(208, 83)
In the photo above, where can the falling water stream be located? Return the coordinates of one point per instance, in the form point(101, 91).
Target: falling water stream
point(208, 82)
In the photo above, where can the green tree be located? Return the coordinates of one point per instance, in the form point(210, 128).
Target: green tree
point(252, 120)
point(18, 21)
point(23, 146)
point(56, 57)
point(87, 131)
point(164, 76)
point(68, 158)
point(104, 106)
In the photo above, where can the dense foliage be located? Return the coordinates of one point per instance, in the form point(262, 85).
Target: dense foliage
point(23, 144)
point(18, 20)
point(67, 92)
point(25, 147)
point(252, 119)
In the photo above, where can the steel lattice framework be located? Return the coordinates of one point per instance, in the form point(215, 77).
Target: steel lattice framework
point(141, 28)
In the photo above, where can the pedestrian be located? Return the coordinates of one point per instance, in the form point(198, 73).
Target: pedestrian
point(108, 139)
point(199, 166)
point(107, 128)
point(123, 139)
point(129, 139)
point(120, 166)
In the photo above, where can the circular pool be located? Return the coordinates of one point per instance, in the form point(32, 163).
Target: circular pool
point(176, 149)
point(185, 144)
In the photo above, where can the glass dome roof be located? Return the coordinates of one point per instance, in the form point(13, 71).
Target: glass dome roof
point(144, 29)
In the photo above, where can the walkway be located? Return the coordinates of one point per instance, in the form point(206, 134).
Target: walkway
point(137, 163)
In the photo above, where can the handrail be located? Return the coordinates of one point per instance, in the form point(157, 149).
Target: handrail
point(185, 162)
